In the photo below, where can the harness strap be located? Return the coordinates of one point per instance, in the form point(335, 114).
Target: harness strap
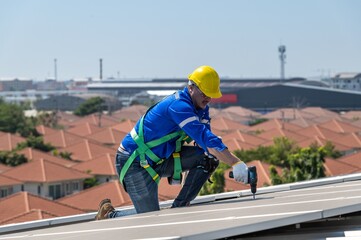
point(177, 166)
point(144, 149)
point(147, 167)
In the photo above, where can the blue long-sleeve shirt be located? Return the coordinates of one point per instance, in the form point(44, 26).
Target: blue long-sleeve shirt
point(175, 112)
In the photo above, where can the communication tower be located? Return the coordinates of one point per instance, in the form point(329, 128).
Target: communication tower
point(282, 51)
point(101, 69)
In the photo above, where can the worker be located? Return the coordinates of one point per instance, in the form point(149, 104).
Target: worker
point(154, 147)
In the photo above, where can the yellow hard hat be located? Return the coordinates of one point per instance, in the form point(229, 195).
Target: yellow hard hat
point(207, 80)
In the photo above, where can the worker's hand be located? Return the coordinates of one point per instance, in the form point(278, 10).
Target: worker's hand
point(240, 172)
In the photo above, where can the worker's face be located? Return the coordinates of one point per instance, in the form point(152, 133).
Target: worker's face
point(200, 100)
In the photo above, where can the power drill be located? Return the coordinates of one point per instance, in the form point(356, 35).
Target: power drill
point(252, 179)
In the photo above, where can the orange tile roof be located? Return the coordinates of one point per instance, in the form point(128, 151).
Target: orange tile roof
point(234, 144)
point(352, 159)
point(8, 181)
point(44, 171)
point(352, 115)
point(100, 121)
point(356, 123)
point(89, 199)
point(318, 111)
point(125, 126)
point(352, 140)
point(232, 116)
point(316, 130)
point(302, 122)
point(9, 141)
point(225, 124)
point(335, 167)
point(84, 129)
point(241, 111)
point(43, 130)
point(66, 119)
point(132, 113)
point(339, 126)
point(4, 168)
point(87, 149)
point(108, 136)
point(166, 191)
point(244, 137)
point(34, 155)
point(321, 142)
point(21, 203)
point(273, 124)
point(322, 119)
point(214, 112)
point(32, 215)
point(277, 132)
point(102, 165)
point(62, 139)
point(288, 113)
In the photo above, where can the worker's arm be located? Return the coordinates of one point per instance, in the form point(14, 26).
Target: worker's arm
point(240, 169)
point(225, 156)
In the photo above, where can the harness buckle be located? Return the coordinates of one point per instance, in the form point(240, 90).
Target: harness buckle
point(144, 163)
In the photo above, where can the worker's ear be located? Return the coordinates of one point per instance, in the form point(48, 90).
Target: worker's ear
point(190, 89)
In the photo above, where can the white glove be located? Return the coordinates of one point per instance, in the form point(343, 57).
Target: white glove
point(240, 172)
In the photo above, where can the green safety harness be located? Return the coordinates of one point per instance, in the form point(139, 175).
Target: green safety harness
point(144, 149)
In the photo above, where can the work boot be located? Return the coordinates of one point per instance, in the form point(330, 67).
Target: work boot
point(105, 207)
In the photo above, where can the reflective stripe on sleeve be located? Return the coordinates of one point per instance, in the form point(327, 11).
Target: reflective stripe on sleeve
point(176, 94)
point(188, 120)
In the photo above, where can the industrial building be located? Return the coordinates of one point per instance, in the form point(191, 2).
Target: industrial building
point(261, 95)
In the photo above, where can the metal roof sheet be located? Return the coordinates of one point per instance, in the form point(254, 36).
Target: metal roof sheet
point(215, 216)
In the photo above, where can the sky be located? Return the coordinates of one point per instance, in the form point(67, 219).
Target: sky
point(170, 38)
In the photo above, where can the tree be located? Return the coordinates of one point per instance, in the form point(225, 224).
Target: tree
point(13, 120)
point(92, 105)
point(65, 155)
point(37, 143)
point(90, 182)
point(275, 154)
point(260, 153)
point(306, 164)
point(48, 119)
point(218, 181)
point(275, 177)
point(12, 159)
point(257, 121)
point(331, 151)
point(281, 149)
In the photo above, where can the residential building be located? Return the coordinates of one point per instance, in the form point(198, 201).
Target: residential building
point(347, 81)
point(51, 180)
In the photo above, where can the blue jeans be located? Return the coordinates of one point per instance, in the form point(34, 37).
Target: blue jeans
point(143, 190)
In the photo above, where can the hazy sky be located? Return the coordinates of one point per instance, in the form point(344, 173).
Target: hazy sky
point(169, 38)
